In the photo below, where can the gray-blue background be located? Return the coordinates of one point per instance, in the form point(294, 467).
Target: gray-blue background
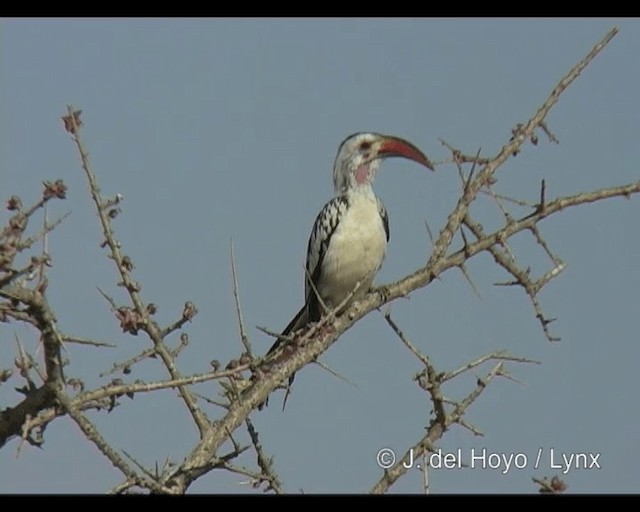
point(221, 129)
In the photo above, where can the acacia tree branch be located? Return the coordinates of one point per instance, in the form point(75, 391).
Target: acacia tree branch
point(125, 366)
point(431, 381)
point(521, 275)
point(270, 373)
point(521, 135)
point(99, 398)
point(49, 413)
point(435, 431)
point(12, 419)
point(425, 275)
point(309, 349)
point(42, 317)
point(236, 295)
point(92, 434)
point(265, 463)
point(124, 265)
point(145, 387)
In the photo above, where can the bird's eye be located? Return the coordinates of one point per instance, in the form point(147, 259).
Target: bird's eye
point(364, 146)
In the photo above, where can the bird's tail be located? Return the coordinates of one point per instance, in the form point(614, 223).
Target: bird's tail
point(298, 322)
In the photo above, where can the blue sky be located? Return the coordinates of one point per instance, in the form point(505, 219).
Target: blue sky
point(226, 129)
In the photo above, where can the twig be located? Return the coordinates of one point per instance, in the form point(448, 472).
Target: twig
point(188, 312)
point(144, 387)
point(521, 276)
point(541, 241)
point(45, 246)
point(236, 294)
point(255, 477)
point(463, 267)
point(108, 298)
point(424, 359)
point(28, 242)
point(44, 320)
point(464, 423)
point(140, 466)
point(434, 432)
point(211, 401)
point(197, 462)
point(92, 434)
point(501, 355)
point(312, 285)
point(327, 368)
point(72, 124)
point(274, 334)
point(525, 132)
point(265, 463)
point(433, 379)
point(461, 158)
point(426, 225)
point(518, 202)
point(120, 488)
point(551, 136)
point(126, 365)
point(85, 341)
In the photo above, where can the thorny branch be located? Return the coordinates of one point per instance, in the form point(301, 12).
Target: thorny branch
point(265, 463)
point(309, 349)
point(50, 400)
point(236, 295)
point(72, 123)
point(446, 412)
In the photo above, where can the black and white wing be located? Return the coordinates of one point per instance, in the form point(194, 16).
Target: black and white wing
point(384, 216)
point(323, 229)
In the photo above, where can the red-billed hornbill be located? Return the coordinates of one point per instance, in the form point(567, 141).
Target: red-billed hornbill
point(349, 237)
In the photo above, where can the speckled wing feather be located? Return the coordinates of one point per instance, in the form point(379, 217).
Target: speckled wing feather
point(384, 216)
point(323, 229)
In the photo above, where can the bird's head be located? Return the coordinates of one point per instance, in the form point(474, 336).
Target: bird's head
point(359, 157)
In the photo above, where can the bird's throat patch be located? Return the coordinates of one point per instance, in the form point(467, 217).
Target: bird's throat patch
point(362, 174)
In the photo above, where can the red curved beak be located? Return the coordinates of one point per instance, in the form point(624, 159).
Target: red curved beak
point(395, 146)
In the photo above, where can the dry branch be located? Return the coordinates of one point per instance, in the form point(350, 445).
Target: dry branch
point(72, 124)
point(196, 463)
point(43, 404)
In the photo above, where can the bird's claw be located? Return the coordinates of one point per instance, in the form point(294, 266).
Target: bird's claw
point(383, 291)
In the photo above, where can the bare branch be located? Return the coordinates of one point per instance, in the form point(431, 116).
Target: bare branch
point(501, 355)
point(42, 405)
point(188, 312)
point(236, 294)
point(85, 341)
point(484, 176)
point(265, 463)
point(126, 365)
point(434, 432)
point(72, 123)
point(94, 436)
point(424, 359)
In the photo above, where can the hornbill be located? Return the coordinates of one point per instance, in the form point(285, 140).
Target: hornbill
point(349, 236)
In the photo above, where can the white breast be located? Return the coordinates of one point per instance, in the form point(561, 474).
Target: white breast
point(355, 253)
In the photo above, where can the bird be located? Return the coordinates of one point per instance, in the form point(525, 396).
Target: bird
point(348, 241)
